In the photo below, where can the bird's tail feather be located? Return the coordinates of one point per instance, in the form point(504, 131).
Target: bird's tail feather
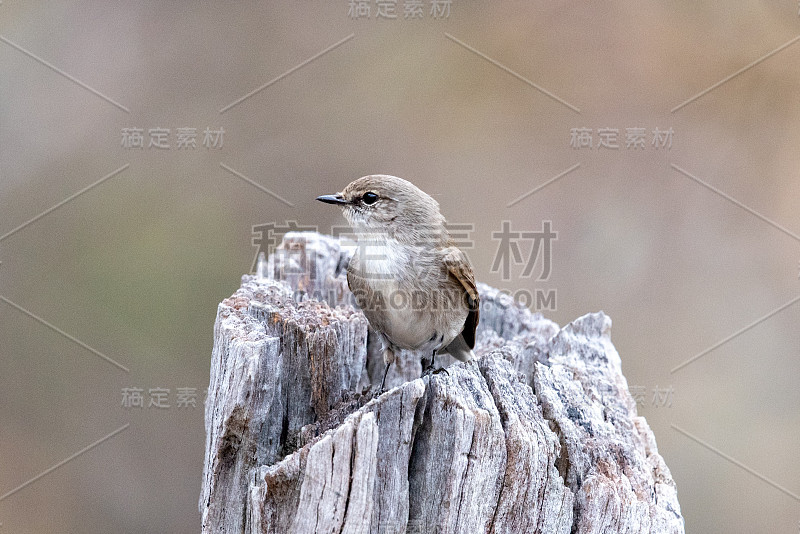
point(459, 349)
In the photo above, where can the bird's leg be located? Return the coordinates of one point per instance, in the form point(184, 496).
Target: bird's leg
point(429, 370)
point(388, 358)
point(383, 380)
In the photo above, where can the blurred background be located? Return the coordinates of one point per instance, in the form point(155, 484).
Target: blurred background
point(141, 142)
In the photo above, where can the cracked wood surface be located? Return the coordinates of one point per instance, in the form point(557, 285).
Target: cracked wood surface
point(539, 434)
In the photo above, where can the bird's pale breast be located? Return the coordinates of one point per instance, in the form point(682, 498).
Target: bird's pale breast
point(414, 304)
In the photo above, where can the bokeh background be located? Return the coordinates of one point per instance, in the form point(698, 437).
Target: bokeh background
point(134, 267)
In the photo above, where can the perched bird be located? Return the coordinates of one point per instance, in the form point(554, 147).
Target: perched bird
point(415, 287)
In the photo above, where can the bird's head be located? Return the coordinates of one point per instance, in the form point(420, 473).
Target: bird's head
point(380, 203)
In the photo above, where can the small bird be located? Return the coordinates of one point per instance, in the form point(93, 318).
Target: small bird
point(416, 288)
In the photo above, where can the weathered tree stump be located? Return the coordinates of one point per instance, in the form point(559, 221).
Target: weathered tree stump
point(540, 434)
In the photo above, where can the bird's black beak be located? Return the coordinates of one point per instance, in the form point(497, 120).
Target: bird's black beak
point(333, 199)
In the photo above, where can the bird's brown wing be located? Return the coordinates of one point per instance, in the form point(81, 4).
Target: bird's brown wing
point(459, 268)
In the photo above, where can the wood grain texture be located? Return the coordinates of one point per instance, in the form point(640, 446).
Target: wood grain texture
point(539, 434)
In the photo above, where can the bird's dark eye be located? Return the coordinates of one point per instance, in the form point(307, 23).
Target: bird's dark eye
point(369, 198)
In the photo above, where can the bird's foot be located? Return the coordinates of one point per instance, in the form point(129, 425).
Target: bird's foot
point(430, 370)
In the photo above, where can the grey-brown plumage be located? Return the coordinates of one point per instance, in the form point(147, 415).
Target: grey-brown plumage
point(416, 288)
